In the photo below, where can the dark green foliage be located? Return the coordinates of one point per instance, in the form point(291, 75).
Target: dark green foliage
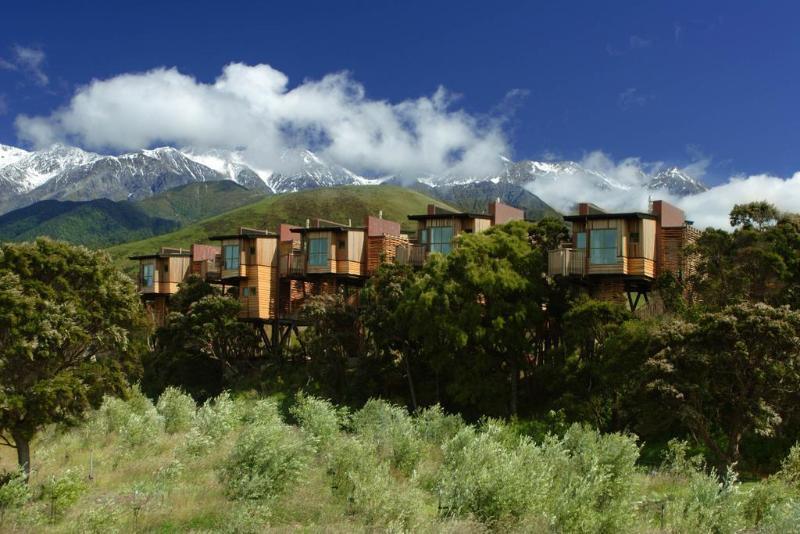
point(103, 222)
point(732, 373)
point(71, 331)
point(203, 347)
point(755, 213)
point(94, 223)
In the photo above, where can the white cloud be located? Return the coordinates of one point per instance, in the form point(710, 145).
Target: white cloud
point(708, 209)
point(631, 97)
point(30, 60)
point(636, 41)
point(253, 108)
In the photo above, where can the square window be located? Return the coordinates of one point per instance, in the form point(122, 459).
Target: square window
point(441, 239)
point(603, 247)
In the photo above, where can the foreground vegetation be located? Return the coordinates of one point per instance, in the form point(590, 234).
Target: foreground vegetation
point(249, 465)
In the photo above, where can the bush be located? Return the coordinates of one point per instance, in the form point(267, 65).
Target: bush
point(764, 497)
point(178, 410)
point(702, 502)
point(435, 426)
point(135, 420)
point(391, 429)
point(62, 492)
point(372, 494)
point(480, 476)
point(592, 486)
point(318, 418)
point(580, 483)
point(14, 492)
point(216, 417)
point(264, 461)
point(790, 467)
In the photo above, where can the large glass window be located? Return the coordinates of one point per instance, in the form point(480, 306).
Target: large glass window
point(147, 275)
point(231, 256)
point(318, 251)
point(580, 240)
point(441, 239)
point(604, 246)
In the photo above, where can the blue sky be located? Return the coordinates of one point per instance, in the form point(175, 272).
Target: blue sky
point(660, 81)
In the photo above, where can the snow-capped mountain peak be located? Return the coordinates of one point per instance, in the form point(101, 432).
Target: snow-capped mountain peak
point(677, 182)
point(11, 154)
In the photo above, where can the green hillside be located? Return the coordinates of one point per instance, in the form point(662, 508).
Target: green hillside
point(103, 222)
point(94, 223)
point(337, 204)
point(196, 201)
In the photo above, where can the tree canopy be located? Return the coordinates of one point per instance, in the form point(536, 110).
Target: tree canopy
point(71, 331)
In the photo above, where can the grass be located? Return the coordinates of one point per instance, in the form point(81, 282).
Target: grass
point(581, 482)
point(339, 204)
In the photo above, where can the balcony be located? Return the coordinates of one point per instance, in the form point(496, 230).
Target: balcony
point(293, 264)
point(566, 262)
point(411, 254)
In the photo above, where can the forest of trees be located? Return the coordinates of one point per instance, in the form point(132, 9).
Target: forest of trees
point(482, 331)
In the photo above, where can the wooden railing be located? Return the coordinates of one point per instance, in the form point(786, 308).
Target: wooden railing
point(293, 264)
point(566, 261)
point(412, 254)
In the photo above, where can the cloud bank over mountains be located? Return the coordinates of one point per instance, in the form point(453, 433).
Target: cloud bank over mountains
point(254, 110)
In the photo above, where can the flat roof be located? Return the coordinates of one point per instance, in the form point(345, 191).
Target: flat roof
point(595, 216)
point(449, 215)
point(161, 255)
point(303, 229)
point(246, 235)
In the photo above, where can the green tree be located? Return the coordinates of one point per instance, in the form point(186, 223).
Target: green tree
point(71, 331)
point(730, 374)
point(759, 214)
point(481, 309)
point(204, 347)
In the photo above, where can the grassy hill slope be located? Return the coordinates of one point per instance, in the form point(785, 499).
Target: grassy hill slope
point(94, 223)
point(337, 204)
point(103, 222)
point(193, 202)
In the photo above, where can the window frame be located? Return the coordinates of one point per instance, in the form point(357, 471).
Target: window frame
point(226, 256)
point(439, 240)
point(152, 276)
point(603, 255)
point(316, 257)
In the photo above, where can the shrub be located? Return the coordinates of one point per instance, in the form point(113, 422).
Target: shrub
point(14, 492)
point(790, 467)
point(435, 426)
point(216, 417)
point(481, 476)
point(582, 482)
point(371, 493)
point(392, 430)
point(136, 420)
point(592, 480)
point(62, 492)
point(318, 418)
point(264, 461)
point(705, 504)
point(764, 497)
point(177, 408)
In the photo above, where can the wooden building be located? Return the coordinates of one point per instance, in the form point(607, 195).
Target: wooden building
point(618, 256)
point(326, 257)
point(158, 278)
point(438, 228)
point(248, 269)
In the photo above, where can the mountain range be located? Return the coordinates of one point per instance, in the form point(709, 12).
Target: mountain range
point(69, 173)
